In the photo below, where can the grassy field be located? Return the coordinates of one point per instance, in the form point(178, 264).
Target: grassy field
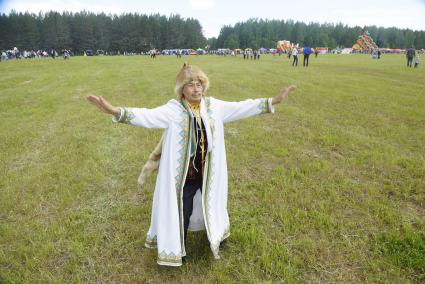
point(330, 189)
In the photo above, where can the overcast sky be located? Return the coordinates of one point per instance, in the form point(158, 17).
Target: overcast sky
point(213, 14)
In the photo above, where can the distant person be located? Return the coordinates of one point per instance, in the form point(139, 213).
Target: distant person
point(379, 54)
point(417, 60)
point(153, 53)
point(410, 54)
point(53, 53)
point(295, 56)
point(316, 52)
point(65, 54)
point(16, 53)
point(306, 53)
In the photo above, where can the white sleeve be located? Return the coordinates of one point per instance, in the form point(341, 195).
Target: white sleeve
point(159, 117)
point(231, 111)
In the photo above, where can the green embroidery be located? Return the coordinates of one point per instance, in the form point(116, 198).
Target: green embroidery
point(170, 257)
point(184, 135)
point(128, 116)
point(173, 258)
point(151, 242)
point(209, 178)
point(264, 106)
point(183, 160)
point(207, 196)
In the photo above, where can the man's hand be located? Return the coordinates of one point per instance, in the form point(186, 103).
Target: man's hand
point(283, 94)
point(103, 105)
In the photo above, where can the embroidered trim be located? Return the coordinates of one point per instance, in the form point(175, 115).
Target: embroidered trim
point(128, 116)
point(270, 105)
point(151, 242)
point(169, 263)
point(169, 258)
point(184, 135)
point(264, 106)
point(209, 179)
point(183, 161)
point(215, 246)
point(118, 117)
point(125, 116)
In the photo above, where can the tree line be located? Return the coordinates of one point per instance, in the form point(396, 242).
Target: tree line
point(130, 32)
point(256, 33)
point(133, 32)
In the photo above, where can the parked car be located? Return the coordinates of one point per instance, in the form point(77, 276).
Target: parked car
point(89, 52)
point(200, 51)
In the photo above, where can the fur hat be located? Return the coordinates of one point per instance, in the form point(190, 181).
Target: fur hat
point(187, 74)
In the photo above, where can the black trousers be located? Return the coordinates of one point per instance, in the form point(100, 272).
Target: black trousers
point(295, 62)
point(189, 191)
point(306, 56)
point(409, 61)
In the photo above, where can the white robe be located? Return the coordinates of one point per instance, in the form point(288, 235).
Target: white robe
point(210, 206)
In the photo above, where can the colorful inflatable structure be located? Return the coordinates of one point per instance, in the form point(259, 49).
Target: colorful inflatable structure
point(283, 46)
point(365, 42)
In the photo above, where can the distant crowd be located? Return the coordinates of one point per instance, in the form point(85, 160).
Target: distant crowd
point(293, 52)
point(15, 53)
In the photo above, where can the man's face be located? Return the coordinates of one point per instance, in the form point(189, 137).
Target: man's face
point(192, 92)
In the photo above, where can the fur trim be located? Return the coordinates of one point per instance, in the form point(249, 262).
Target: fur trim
point(151, 165)
point(189, 73)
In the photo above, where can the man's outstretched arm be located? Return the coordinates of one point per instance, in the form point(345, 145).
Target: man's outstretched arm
point(158, 117)
point(283, 94)
point(103, 105)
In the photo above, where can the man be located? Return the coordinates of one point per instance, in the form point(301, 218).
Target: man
point(306, 52)
point(191, 186)
point(295, 56)
point(410, 54)
point(53, 53)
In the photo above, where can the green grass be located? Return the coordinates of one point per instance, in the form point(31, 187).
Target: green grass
point(331, 188)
